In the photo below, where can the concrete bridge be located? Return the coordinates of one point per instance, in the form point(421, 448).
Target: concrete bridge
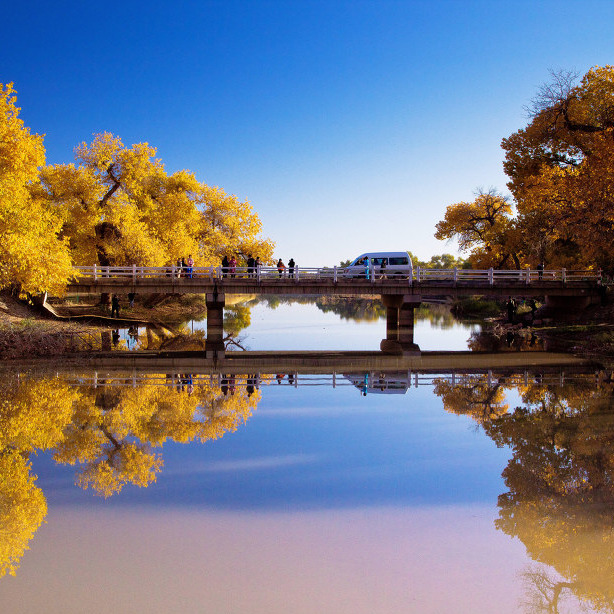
point(400, 294)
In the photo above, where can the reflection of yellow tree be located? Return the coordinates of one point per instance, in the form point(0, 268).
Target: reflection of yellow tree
point(561, 492)
point(110, 432)
point(22, 509)
point(33, 414)
point(474, 397)
point(115, 430)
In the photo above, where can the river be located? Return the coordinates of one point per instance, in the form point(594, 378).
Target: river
point(358, 492)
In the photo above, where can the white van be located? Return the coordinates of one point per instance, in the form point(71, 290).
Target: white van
point(381, 265)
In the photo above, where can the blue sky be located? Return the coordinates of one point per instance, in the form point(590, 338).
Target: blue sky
point(349, 126)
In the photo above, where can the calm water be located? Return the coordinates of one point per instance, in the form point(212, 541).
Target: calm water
point(435, 498)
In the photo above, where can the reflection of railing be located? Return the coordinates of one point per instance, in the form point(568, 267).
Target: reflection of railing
point(401, 380)
point(488, 277)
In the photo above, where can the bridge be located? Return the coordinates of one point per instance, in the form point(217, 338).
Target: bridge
point(373, 372)
point(401, 294)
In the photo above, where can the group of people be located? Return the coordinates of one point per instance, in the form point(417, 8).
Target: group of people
point(229, 266)
point(281, 268)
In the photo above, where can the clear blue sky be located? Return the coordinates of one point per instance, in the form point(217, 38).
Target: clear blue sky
point(349, 125)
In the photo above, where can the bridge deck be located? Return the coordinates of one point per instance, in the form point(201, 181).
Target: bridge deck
point(422, 282)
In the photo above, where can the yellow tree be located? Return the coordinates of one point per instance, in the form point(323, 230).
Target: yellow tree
point(561, 169)
point(119, 206)
point(484, 228)
point(32, 256)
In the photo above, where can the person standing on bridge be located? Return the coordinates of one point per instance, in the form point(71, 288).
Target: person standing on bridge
point(233, 266)
point(367, 264)
point(251, 265)
point(281, 267)
point(225, 265)
point(291, 265)
point(190, 266)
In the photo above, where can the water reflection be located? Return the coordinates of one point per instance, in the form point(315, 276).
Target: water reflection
point(111, 433)
point(557, 423)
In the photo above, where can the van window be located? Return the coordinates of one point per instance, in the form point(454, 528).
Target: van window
point(399, 261)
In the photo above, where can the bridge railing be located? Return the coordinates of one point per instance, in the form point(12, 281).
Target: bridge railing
point(419, 275)
point(373, 381)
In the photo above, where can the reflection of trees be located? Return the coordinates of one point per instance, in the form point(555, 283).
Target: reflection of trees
point(236, 318)
point(474, 397)
point(357, 309)
point(362, 309)
point(111, 433)
point(500, 340)
point(22, 509)
point(560, 480)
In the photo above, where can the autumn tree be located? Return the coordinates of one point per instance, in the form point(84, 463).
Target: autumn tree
point(33, 258)
point(119, 206)
point(485, 228)
point(112, 434)
point(561, 170)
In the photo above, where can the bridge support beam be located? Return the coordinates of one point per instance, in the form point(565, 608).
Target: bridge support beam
point(400, 324)
point(214, 345)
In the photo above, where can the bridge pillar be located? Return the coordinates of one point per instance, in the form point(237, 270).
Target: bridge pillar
point(214, 345)
point(400, 324)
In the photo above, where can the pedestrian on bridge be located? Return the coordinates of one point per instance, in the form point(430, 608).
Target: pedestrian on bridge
point(540, 271)
point(281, 267)
point(225, 265)
point(291, 265)
point(367, 263)
point(251, 265)
point(232, 264)
point(190, 266)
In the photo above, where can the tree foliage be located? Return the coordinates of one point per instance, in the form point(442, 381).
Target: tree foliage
point(115, 205)
point(119, 206)
point(483, 227)
point(561, 171)
point(559, 479)
point(33, 257)
point(113, 435)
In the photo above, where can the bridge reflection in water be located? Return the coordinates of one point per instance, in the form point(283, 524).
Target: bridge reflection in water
point(372, 372)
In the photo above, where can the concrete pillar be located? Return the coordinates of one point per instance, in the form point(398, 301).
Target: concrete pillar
point(400, 324)
point(214, 346)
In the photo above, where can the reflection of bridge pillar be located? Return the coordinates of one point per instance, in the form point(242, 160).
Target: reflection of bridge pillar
point(400, 324)
point(214, 346)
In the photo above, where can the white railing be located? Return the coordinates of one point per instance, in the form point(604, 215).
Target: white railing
point(335, 274)
point(375, 381)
